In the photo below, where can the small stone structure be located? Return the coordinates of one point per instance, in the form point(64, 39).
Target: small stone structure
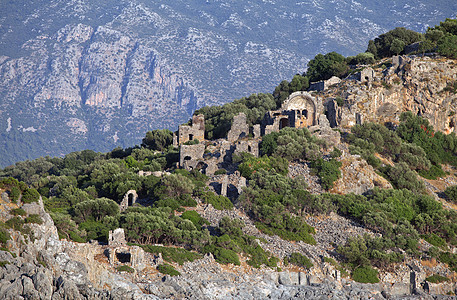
point(366, 75)
point(324, 84)
point(224, 186)
point(126, 202)
point(189, 133)
point(298, 111)
point(239, 129)
point(249, 146)
point(133, 256)
point(191, 155)
point(116, 237)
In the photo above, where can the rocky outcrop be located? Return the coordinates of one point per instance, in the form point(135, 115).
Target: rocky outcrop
point(416, 84)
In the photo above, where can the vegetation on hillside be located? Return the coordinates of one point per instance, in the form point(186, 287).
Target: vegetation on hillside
point(82, 190)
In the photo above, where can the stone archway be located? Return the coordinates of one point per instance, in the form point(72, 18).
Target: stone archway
point(129, 199)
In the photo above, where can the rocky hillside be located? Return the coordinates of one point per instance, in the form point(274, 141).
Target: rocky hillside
point(98, 74)
point(425, 86)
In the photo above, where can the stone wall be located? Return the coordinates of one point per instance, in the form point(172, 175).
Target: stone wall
point(239, 129)
point(125, 201)
point(191, 155)
point(195, 132)
point(324, 84)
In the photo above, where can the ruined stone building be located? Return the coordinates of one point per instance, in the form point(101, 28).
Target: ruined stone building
point(298, 111)
point(324, 84)
point(189, 133)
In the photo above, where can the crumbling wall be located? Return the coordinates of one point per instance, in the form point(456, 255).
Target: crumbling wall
point(190, 156)
point(194, 132)
point(125, 201)
point(249, 146)
point(239, 129)
point(324, 84)
point(116, 237)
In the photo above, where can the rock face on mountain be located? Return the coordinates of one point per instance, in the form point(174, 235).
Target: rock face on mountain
point(99, 74)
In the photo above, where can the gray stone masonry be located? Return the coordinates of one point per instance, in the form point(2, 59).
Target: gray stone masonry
point(191, 155)
point(116, 237)
point(239, 129)
point(195, 132)
point(125, 201)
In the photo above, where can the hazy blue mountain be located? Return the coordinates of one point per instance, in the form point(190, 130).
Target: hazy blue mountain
point(98, 74)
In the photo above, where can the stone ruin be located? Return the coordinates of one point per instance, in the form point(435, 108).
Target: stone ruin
point(232, 185)
point(191, 156)
point(299, 110)
point(239, 129)
point(129, 199)
point(116, 237)
point(189, 133)
point(119, 253)
point(324, 84)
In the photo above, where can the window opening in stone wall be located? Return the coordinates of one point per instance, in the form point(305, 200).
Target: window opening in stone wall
point(284, 123)
point(130, 196)
point(123, 257)
point(249, 149)
point(191, 137)
point(305, 113)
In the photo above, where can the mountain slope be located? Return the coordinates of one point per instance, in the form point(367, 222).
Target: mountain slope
point(97, 74)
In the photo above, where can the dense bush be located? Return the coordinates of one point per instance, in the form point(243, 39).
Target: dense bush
point(451, 193)
point(217, 201)
point(322, 67)
point(125, 268)
point(435, 278)
point(393, 42)
point(18, 212)
point(365, 275)
point(4, 236)
point(168, 270)
point(328, 171)
point(158, 139)
point(194, 217)
point(299, 260)
point(34, 218)
point(30, 195)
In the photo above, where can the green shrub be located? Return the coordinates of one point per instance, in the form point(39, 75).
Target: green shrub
point(259, 257)
point(451, 193)
point(299, 260)
point(34, 218)
point(435, 240)
point(18, 212)
point(220, 172)
point(339, 101)
point(167, 269)
point(365, 274)
point(225, 256)
point(4, 236)
point(30, 195)
point(435, 278)
point(336, 152)
point(328, 171)
point(15, 193)
point(192, 142)
point(3, 263)
point(125, 268)
point(219, 202)
point(15, 223)
point(194, 217)
point(9, 183)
